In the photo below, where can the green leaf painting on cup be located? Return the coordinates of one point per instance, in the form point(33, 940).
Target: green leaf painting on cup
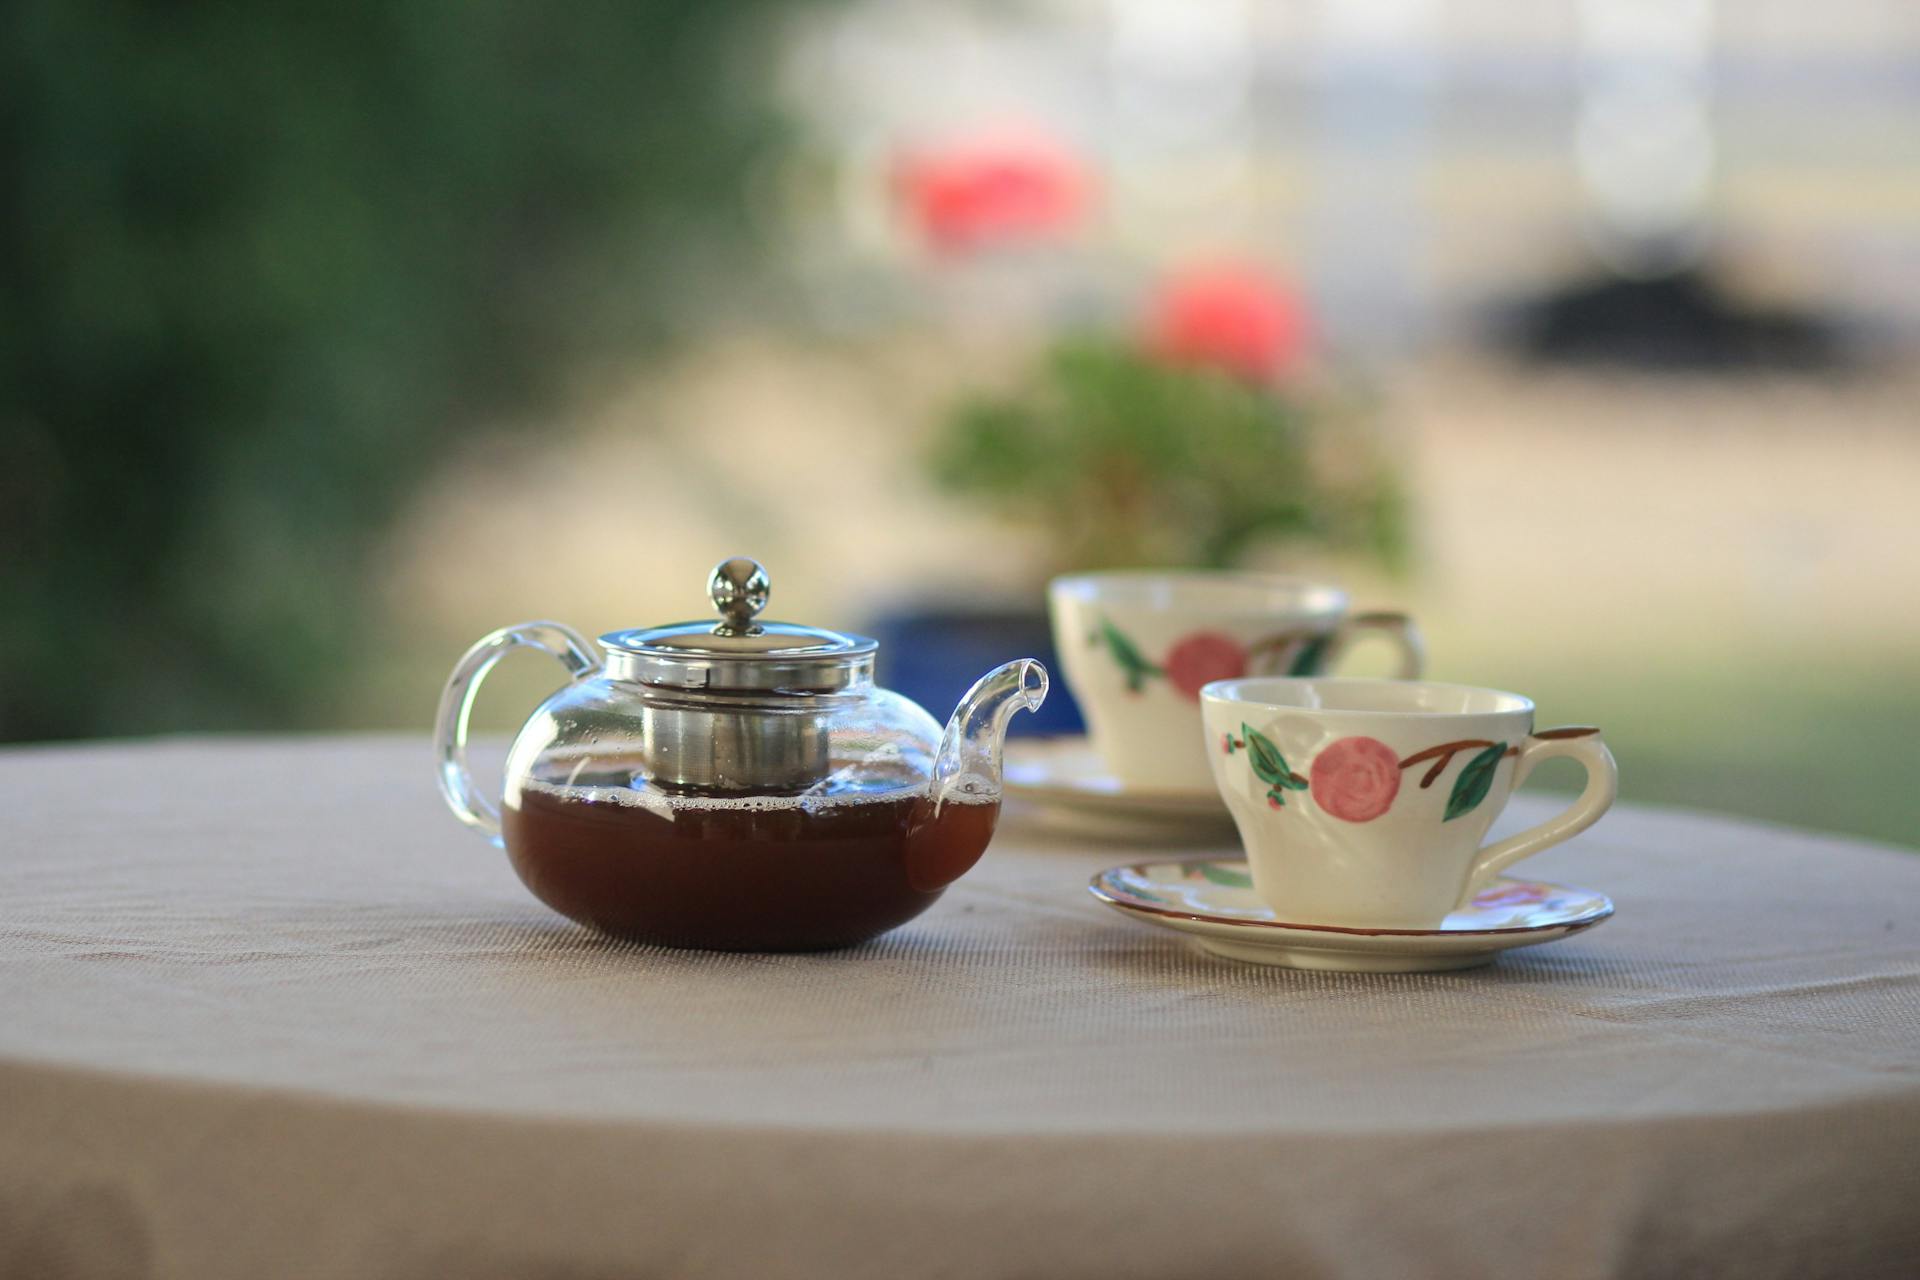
point(1270, 766)
point(1471, 787)
point(1131, 661)
point(1337, 761)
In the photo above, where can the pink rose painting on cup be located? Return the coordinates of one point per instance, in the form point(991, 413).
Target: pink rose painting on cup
point(1200, 657)
point(1356, 778)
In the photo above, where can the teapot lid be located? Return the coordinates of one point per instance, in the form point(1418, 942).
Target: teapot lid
point(739, 652)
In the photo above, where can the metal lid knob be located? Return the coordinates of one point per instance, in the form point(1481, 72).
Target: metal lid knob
point(740, 653)
point(739, 589)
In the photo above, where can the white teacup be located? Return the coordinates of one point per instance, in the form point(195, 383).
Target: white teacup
point(1136, 648)
point(1364, 802)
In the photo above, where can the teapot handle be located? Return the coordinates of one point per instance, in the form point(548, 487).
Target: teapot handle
point(574, 651)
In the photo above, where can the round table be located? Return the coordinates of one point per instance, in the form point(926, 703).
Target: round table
point(269, 1011)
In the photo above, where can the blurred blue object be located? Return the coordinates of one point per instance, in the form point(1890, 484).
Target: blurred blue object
point(934, 657)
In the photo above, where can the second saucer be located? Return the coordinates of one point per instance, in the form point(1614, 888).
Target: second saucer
point(1066, 780)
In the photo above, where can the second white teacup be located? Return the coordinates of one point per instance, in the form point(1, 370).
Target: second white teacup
point(1136, 647)
point(1363, 803)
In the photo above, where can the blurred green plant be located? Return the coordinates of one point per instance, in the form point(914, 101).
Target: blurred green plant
point(261, 264)
point(1118, 457)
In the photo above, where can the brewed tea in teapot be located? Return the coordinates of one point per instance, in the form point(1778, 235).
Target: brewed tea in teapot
point(739, 785)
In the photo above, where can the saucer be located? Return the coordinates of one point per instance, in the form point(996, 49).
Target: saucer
point(1065, 778)
point(1212, 900)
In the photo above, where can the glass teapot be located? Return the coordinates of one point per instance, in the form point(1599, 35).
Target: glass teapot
point(740, 785)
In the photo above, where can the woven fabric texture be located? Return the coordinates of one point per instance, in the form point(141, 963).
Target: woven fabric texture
point(265, 1009)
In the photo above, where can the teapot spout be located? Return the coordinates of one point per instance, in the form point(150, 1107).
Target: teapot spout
point(968, 768)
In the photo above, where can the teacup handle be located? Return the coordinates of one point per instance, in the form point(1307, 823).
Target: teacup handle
point(1572, 742)
point(1398, 627)
point(575, 652)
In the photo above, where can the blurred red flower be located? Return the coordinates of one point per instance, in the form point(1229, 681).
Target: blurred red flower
point(991, 188)
point(1229, 316)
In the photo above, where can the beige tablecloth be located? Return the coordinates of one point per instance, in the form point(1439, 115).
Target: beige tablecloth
point(268, 1011)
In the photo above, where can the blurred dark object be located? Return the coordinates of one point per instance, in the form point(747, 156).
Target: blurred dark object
point(1685, 321)
point(259, 264)
point(928, 655)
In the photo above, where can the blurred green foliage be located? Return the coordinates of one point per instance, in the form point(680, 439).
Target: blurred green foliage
point(260, 263)
point(1118, 459)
